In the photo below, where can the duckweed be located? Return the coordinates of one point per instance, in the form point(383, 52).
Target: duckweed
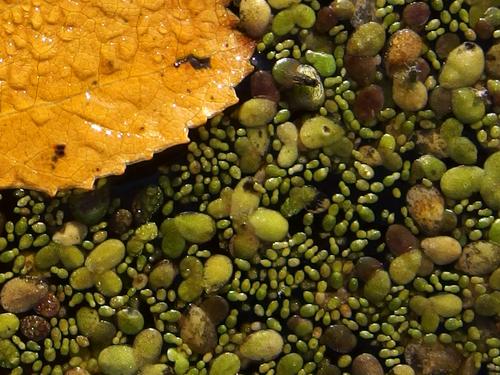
point(255, 16)
point(269, 225)
point(404, 268)
point(130, 321)
point(105, 256)
point(479, 258)
point(216, 272)
point(426, 207)
point(289, 364)
point(9, 354)
point(118, 359)
point(88, 207)
point(466, 106)
point(494, 279)
point(71, 257)
point(319, 132)
point(307, 92)
point(195, 227)
point(21, 294)
point(262, 345)
point(9, 324)
point(226, 363)
point(446, 305)
point(366, 364)
point(198, 331)
point(405, 46)
point(442, 249)
point(407, 93)
point(71, 233)
point(323, 62)
point(462, 150)
point(377, 287)
point(463, 67)
point(109, 283)
point(367, 40)
point(257, 112)
point(81, 279)
point(162, 276)
point(462, 181)
point(341, 219)
point(430, 167)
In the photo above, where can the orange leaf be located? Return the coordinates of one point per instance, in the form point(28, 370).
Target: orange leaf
point(88, 86)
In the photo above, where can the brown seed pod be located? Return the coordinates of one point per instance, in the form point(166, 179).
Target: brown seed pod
point(48, 306)
point(35, 328)
point(405, 46)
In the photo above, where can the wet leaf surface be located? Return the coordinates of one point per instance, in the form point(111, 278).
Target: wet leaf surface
point(90, 86)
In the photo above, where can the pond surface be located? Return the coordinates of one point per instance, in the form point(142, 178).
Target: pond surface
point(342, 218)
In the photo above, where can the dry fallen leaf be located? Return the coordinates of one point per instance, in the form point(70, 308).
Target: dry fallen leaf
point(88, 86)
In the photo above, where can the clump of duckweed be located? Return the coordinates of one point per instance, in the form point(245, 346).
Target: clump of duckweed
point(342, 219)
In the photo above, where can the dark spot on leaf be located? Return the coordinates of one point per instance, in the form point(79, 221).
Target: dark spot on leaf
point(196, 62)
point(59, 150)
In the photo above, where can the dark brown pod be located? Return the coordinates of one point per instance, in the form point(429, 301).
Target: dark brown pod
point(366, 267)
point(445, 44)
point(369, 101)
point(34, 327)
point(415, 15)
point(339, 338)
point(399, 239)
point(440, 101)
point(262, 85)
point(325, 20)
point(48, 306)
point(362, 69)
